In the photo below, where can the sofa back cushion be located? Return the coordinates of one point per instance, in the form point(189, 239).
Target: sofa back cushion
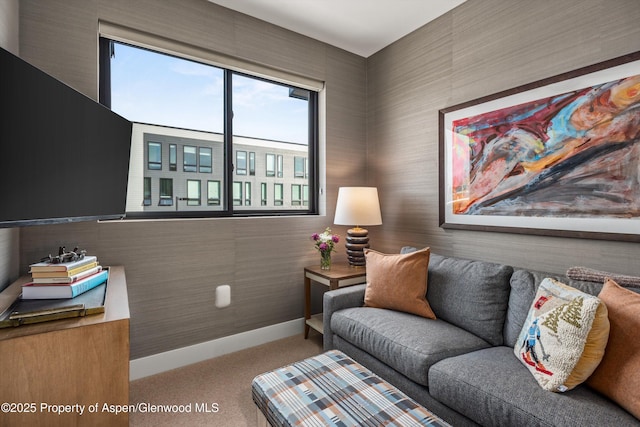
point(524, 285)
point(472, 295)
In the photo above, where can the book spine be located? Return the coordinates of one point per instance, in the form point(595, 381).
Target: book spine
point(88, 284)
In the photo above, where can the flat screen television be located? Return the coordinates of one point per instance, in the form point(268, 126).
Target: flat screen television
point(63, 156)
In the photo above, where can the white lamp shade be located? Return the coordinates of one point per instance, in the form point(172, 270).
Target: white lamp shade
point(358, 206)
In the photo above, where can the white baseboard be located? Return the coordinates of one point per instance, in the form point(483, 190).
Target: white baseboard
point(161, 362)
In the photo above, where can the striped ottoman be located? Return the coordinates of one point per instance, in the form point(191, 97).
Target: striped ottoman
point(331, 389)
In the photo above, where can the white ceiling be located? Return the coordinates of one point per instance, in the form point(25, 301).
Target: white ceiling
point(362, 27)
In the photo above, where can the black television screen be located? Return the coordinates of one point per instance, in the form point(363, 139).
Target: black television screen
point(63, 156)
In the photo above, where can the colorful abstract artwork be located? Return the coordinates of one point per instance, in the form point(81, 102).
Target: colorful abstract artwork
point(562, 154)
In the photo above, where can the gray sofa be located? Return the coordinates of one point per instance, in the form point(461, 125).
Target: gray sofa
point(462, 365)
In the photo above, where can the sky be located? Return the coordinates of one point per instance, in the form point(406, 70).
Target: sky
point(160, 89)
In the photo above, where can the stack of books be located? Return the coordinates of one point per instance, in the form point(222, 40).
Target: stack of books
point(64, 280)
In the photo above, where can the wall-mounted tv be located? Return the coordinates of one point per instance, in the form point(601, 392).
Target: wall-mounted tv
point(63, 156)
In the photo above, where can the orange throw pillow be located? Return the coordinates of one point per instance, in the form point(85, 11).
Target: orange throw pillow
point(618, 375)
point(398, 282)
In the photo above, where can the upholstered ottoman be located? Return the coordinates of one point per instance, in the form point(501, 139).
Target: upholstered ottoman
point(331, 389)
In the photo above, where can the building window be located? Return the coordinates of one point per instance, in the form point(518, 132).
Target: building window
point(193, 192)
point(154, 152)
point(305, 195)
point(299, 164)
point(296, 195)
point(146, 200)
point(206, 161)
point(278, 194)
point(189, 158)
point(173, 157)
point(237, 193)
point(252, 163)
point(271, 165)
point(241, 162)
point(263, 194)
point(213, 193)
point(166, 192)
point(247, 194)
point(272, 122)
point(280, 165)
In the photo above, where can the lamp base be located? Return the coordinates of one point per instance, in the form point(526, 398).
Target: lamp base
point(357, 242)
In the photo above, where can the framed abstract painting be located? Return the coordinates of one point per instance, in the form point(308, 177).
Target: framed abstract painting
point(560, 156)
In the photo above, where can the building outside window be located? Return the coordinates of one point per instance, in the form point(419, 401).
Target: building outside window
point(241, 162)
point(213, 193)
point(147, 192)
point(263, 194)
point(247, 194)
point(278, 194)
point(252, 163)
point(237, 193)
point(206, 162)
point(154, 150)
point(193, 192)
point(189, 158)
point(271, 165)
point(166, 192)
point(173, 157)
point(296, 194)
point(280, 165)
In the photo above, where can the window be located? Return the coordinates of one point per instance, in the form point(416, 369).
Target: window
point(299, 168)
point(296, 195)
point(213, 193)
point(146, 200)
point(305, 195)
point(263, 194)
point(271, 165)
point(237, 193)
point(278, 194)
point(247, 194)
point(252, 163)
point(206, 162)
point(241, 162)
point(166, 192)
point(280, 165)
point(173, 157)
point(190, 160)
point(154, 150)
point(193, 192)
point(216, 123)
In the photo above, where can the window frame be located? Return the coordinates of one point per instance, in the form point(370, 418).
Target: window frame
point(253, 165)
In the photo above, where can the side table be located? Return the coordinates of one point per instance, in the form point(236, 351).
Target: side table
point(339, 276)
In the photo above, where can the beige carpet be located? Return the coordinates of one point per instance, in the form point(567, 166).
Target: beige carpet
point(223, 383)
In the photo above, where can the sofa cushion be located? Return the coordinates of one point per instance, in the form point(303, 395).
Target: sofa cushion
point(409, 344)
point(398, 282)
point(563, 338)
point(470, 294)
point(493, 388)
point(618, 376)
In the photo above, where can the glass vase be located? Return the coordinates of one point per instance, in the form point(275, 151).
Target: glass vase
point(325, 260)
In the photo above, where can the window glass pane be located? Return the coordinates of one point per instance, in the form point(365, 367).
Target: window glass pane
point(263, 194)
point(193, 192)
point(278, 194)
point(296, 195)
point(213, 193)
point(305, 195)
point(173, 157)
point(190, 161)
point(166, 192)
point(155, 155)
point(271, 165)
point(237, 193)
point(252, 163)
point(241, 162)
point(147, 192)
point(205, 159)
point(247, 194)
point(178, 109)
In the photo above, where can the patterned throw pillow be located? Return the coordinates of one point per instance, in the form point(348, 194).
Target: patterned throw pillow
point(398, 282)
point(564, 337)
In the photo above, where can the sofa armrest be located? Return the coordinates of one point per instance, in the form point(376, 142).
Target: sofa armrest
point(352, 296)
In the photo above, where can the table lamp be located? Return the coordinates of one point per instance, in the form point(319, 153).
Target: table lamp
point(357, 206)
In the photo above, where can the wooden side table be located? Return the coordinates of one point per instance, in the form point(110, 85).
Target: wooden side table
point(340, 275)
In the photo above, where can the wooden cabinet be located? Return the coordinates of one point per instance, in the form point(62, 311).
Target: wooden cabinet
point(69, 366)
